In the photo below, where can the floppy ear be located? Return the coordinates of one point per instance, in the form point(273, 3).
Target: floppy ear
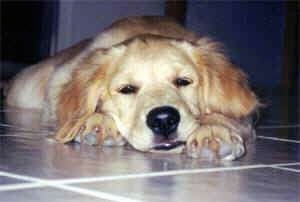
point(79, 97)
point(224, 88)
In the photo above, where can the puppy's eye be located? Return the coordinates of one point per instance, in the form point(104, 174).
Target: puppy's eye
point(128, 89)
point(182, 81)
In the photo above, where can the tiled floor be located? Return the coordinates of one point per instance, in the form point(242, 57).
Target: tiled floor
point(35, 168)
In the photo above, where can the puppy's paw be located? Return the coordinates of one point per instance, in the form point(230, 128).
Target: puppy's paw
point(91, 132)
point(99, 129)
point(215, 142)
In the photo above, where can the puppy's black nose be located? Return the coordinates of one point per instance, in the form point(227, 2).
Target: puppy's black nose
point(163, 120)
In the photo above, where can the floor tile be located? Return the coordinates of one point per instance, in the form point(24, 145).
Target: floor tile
point(264, 184)
point(264, 151)
point(45, 194)
point(41, 157)
point(292, 133)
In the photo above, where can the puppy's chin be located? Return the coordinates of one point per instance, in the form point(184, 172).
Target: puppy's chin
point(168, 147)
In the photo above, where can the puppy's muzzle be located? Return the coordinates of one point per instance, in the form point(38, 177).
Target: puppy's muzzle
point(163, 121)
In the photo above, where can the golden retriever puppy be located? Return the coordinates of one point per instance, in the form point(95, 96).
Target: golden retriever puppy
point(146, 81)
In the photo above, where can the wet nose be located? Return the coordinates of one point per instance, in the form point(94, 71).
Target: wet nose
point(163, 120)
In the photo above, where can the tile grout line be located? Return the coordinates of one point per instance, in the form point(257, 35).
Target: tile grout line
point(169, 173)
point(166, 173)
point(285, 169)
point(278, 126)
point(12, 187)
point(53, 184)
point(278, 139)
point(65, 184)
point(97, 194)
point(285, 164)
point(155, 174)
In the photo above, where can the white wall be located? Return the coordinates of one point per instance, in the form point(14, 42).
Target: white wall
point(82, 19)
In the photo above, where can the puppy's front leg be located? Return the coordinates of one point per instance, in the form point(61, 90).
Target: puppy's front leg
point(94, 129)
point(218, 137)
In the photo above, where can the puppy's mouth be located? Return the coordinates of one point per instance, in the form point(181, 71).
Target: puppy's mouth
point(172, 146)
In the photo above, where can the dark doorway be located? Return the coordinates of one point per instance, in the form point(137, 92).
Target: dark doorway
point(26, 32)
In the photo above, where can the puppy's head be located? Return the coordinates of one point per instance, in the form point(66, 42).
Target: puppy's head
point(156, 88)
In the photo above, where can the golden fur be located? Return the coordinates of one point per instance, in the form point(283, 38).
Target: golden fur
point(79, 89)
